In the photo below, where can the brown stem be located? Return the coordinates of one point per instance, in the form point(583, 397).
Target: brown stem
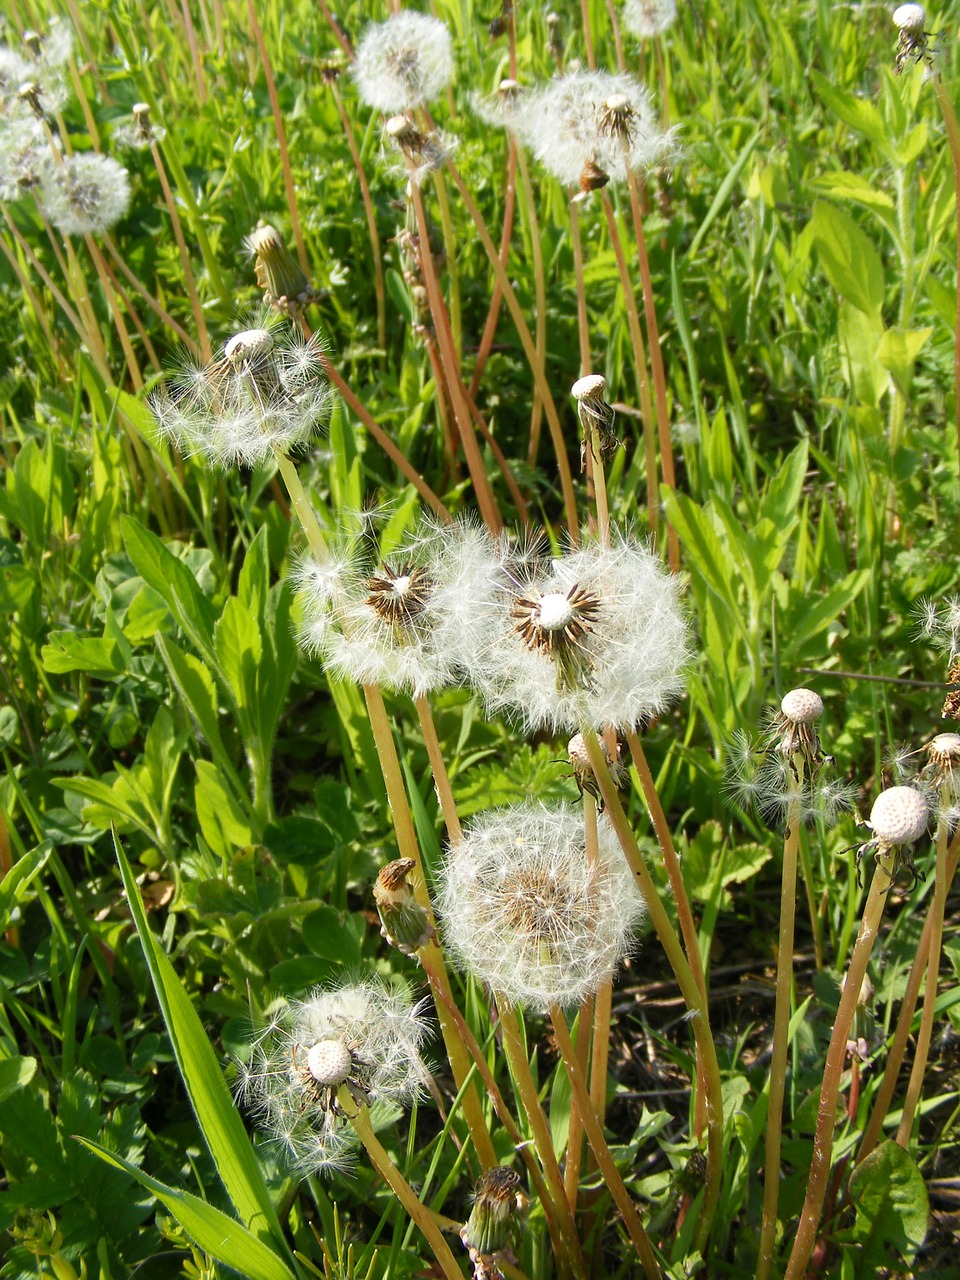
point(583, 323)
point(199, 319)
point(953, 137)
point(493, 311)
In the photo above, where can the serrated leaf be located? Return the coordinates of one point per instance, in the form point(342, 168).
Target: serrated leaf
point(844, 185)
point(174, 582)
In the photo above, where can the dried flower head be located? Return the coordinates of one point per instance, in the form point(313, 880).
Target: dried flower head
point(649, 18)
point(140, 132)
point(567, 125)
point(404, 62)
point(899, 817)
point(323, 1058)
point(403, 922)
point(503, 107)
point(264, 392)
point(525, 910)
point(596, 417)
point(582, 766)
point(412, 621)
point(84, 193)
point(913, 43)
point(423, 152)
point(593, 637)
point(285, 287)
point(794, 725)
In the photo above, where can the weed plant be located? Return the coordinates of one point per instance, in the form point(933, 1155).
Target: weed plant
point(478, 551)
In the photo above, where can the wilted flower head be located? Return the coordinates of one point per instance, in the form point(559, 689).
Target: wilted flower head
point(403, 921)
point(264, 392)
point(497, 1200)
point(324, 1057)
point(593, 637)
point(502, 109)
point(410, 622)
point(648, 18)
point(404, 62)
point(593, 123)
point(424, 152)
point(84, 193)
point(525, 910)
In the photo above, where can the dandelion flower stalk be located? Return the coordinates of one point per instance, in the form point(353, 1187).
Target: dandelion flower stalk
point(898, 818)
point(685, 978)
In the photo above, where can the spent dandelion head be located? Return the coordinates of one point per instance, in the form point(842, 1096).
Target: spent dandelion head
point(325, 1057)
point(84, 193)
point(593, 637)
point(264, 392)
point(502, 108)
point(404, 62)
point(596, 417)
point(139, 132)
point(525, 910)
point(899, 817)
point(411, 621)
point(649, 18)
point(582, 767)
point(424, 153)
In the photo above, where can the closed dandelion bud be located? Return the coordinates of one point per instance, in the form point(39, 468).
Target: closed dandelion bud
point(554, 36)
point(527, 912)
point(403, 921)
point(404, 62)
point(582, 767)
point(84, 193)
point(497, 1199)
point(284, 285)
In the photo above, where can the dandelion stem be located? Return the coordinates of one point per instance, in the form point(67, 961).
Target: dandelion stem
point(583, 322)
point(895, 1053)
point(199, 318)
point(806, 1235)
point(540, 300)
point(536, 366)
point(496, 300)
point(953, 136)
point(611, 1174)
point(922, 1050)
point(421, 1215)
point(529, 1097)
point(438, 768)
point(781, 1030)
point(691, 991)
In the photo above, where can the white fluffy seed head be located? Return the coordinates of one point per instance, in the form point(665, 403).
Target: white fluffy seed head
point(620, 660)
point(649, 18)
point(801, 706)
point(266, 392)
point(563, 123)
point(84, 193)
point(900, 815)
point(404, 62)
point(362, 1035)
point(909, 17)
point(525, 910)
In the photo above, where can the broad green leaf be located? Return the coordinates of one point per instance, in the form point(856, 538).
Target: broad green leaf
point(860, 336)
point(172, 580)
point(944, 299)
point(224, 825)
point(849, 259)
point(898, 351)
point(216, 1113)
point(704, 549)
point(782, 497)
point(106, 655)
point(14, 883)
point(812, 616)
point(909, 148)
point(197, 689)
point(858, 113)
point(217, 1234)
point(239, 647)
point(890, 1198)
point(844, 185)
point(15, 1073)
point(332, 936)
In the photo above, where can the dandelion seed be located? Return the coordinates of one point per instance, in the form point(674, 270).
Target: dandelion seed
point(593, 637)
point(265, 392)
point(649, 18)
point(525, 911)
point(141, 132)
point(84, 193)
point(404, 62)
point(332, 1053)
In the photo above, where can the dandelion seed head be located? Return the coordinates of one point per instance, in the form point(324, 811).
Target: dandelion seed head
point(525, 910)
point(84, 193)
point(909, 17)
point(900, 815)
point(801, 706)
point(404, 62)
point(649, 18)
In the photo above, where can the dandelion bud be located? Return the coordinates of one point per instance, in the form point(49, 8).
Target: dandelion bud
point(404, 62)
point(524, 909)
point(583, 773)
point(496, 1200)
point(403, 921)
point(899, 816)
point(284, 285)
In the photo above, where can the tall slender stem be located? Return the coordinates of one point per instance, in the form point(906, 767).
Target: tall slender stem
point(953, 136)
point(438, 768)
point(781, 1029)
point(806, 1235)
point(540, 299)
point(189, 279)
point(583, 323)
point(496, 300)
point(611, 1174)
